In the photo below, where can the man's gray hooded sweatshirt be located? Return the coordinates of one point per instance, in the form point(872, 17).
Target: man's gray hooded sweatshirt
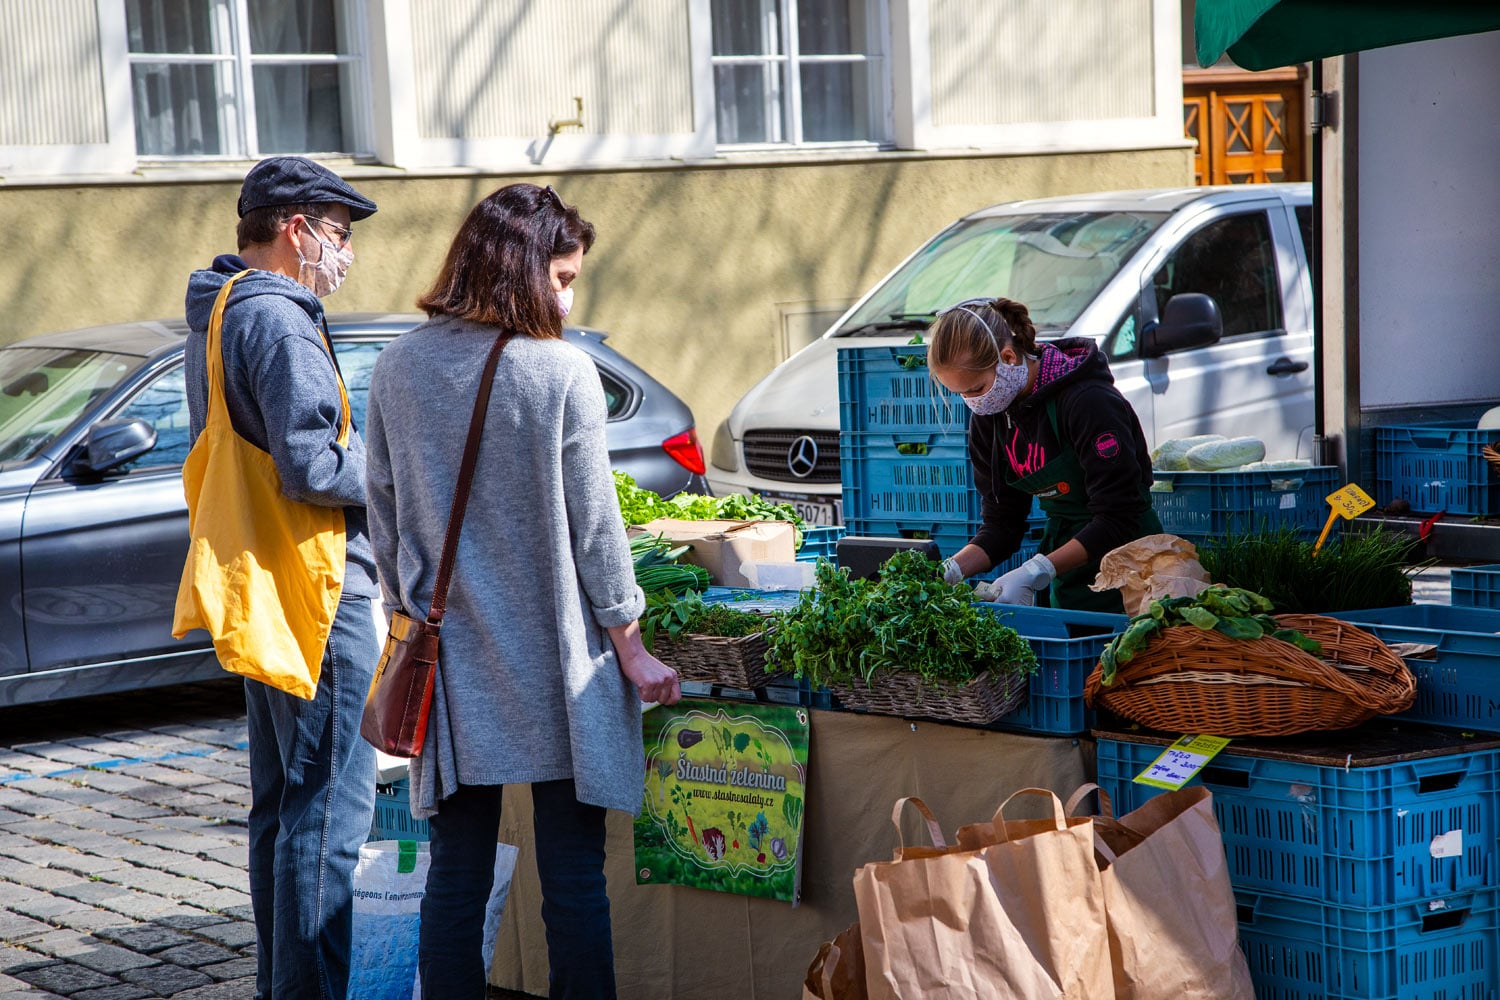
point(282, 395)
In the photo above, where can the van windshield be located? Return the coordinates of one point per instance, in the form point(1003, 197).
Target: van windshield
point(1054, 262)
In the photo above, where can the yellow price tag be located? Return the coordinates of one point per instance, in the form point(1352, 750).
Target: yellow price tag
point(1181, 762)
point(1348, 503)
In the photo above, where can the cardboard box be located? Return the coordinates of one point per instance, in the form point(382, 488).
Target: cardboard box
point(723, 547)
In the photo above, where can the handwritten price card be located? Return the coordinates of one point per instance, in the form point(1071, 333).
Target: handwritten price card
point(1348, 503)
point(1181, 761)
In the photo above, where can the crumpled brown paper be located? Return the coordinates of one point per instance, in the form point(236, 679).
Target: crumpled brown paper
point(1150, 568)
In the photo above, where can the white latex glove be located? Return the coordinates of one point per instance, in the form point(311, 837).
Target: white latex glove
point(951, 572)
point(1020, 585)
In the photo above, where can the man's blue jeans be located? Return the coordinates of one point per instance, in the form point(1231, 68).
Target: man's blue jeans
point(312, 789)
point(575, 909)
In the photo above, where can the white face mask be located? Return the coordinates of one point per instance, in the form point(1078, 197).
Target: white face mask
point(565, 300)
point(1009, 381)
point(323, 276)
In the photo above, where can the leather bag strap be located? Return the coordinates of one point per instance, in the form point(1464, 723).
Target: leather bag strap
point(465, 480)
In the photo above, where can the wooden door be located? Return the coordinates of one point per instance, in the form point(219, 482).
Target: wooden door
point(1248, 126)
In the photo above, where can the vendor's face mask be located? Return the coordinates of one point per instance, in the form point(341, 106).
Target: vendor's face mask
point(323, 276)
point(1009, 381)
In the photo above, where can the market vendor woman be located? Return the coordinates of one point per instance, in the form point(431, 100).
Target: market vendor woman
point(1048, 423)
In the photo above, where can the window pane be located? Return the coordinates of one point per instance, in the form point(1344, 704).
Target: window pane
point(749, 99)
point(835, 102)
point(1233, 261)
point(176, 110)
point(299, 109)
point(177, 26)
point(747, 27)
point(828, 27)
point(356, 362)
point(163, 405)
point(292, 27)
point(616, 395)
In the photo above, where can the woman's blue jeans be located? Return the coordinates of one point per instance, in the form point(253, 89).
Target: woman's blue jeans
point(575, 909)
point(312, 790)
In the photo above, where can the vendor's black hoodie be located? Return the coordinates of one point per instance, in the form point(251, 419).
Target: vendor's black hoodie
point(1094, 420)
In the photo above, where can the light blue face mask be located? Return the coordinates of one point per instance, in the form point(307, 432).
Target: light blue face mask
point(1009, 379)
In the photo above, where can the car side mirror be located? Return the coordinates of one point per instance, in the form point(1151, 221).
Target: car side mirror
point(112, 443)
point(1191, 319)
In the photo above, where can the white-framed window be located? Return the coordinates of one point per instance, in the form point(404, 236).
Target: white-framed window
point(801, 72)
point(242, 79)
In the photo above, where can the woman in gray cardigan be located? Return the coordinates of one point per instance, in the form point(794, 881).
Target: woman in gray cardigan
point(542, 671)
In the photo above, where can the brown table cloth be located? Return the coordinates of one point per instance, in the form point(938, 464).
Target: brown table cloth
point(673, 941)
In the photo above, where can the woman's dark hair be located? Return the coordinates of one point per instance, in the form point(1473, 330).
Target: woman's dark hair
point(961, 340)
point(260, 225)
point(498, 266)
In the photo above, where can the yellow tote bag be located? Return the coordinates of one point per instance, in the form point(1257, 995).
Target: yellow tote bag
point(263, 573)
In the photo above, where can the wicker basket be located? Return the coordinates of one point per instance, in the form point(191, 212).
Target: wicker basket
point(981, 701)
point(1188, 680)
point(738, 662)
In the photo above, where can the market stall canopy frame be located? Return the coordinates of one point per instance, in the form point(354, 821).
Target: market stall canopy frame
point(1264, 34)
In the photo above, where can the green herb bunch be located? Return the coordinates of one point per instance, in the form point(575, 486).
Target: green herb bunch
point(907, 620)
point(1238, 614)
point(639, 506)
point(672, 616)
point(657, 568)
point(1356, 570)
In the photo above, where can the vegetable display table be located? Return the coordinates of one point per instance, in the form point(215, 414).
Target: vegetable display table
point(672, 941)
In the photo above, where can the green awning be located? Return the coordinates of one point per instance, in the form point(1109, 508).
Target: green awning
point(1264, 34)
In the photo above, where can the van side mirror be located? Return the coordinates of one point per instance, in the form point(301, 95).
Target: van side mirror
point(112, 443)
point(1190, 319)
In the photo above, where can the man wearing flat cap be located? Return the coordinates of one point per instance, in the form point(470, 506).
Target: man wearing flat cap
point(280, 569)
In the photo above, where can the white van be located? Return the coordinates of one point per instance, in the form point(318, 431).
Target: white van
point(1100, 265)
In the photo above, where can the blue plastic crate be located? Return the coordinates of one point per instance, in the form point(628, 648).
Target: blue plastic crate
point(1067, 645)
point(393, 819)
point(1346, 836)
point(1475, 586)
point(889, 390)
point(1459, 685)
point(1436, 467)
point(923, 476)
point(1304, 950)
point(1203, 505)
point(820, 543)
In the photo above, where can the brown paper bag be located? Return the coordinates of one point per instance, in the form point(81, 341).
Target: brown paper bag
point(1172, 929)
point(838, 971)
point(1021, 918)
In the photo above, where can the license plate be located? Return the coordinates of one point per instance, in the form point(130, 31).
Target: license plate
point(813, 512)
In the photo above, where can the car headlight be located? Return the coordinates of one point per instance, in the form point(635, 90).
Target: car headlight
point(725, 455)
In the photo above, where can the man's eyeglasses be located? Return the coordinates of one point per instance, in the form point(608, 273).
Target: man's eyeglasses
point(343, 234)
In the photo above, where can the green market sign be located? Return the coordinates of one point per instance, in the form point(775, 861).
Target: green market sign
point(726, 785)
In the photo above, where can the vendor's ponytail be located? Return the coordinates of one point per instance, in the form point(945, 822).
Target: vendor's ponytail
point(1018, 318)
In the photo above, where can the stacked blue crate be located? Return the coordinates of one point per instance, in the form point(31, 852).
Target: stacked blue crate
point(903, 454)
point(1363, 866)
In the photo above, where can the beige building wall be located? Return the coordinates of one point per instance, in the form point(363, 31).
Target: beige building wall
point(704, 275)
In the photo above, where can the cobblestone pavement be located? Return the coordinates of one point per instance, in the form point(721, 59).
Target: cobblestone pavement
point(123, 847)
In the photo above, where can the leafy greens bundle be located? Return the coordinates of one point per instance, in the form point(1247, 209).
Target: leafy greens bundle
point(1238, 614)
point(1356, 570)
point(638, 506)
point(907, 620)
